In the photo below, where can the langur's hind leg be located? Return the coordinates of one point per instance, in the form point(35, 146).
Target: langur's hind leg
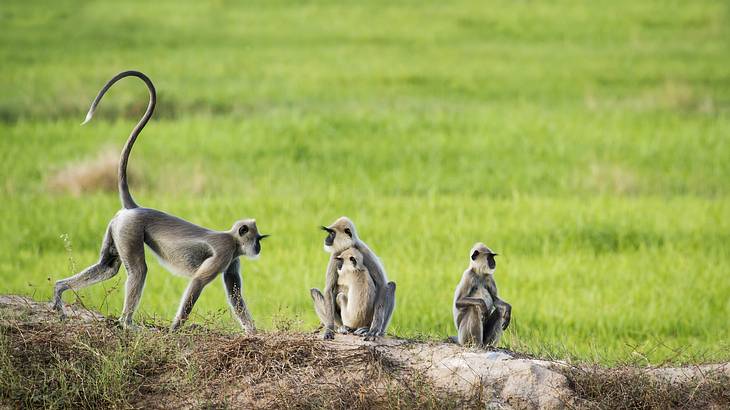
point(471, 328)
point(106, 267)
point(320, 307)
point(389, 307)
point(492, 328)
point(130, 244)
point(319, 304)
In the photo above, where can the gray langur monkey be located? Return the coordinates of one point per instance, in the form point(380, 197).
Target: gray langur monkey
point(342, 235)
point(355, 291)
point(480, 315)
point(183, 248)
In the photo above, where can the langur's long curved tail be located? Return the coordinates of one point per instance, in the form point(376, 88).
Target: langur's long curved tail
point(124, 195)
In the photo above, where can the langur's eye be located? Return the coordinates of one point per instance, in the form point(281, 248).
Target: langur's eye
point(243, 230)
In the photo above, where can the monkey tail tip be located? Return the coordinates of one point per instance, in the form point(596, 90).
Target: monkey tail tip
point(89, 115)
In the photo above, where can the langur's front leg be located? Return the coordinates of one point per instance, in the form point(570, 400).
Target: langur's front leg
point(505, 310)
point(205, 274)
point(188, 301)
point(234, 289)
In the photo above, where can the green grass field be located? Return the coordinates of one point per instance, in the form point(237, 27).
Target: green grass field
point(587, 142)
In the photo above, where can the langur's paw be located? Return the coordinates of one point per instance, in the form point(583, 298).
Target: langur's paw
point(371, 335)
point(250, 330)
point(58, 308)
point(129, 326)
point(328, 335)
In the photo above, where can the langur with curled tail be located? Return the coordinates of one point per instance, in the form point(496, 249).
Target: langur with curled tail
point(183, 248)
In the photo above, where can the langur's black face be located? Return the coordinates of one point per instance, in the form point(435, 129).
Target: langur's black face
point(257, 245)
point(330, 239)
point(342, 259)
point(491, 262)
point(250, 239)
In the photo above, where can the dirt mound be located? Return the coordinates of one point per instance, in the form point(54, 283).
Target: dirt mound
point(87, 361)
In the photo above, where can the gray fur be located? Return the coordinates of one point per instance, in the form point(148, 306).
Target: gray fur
point(480, 315)
point(182, 247)
point(326, 304)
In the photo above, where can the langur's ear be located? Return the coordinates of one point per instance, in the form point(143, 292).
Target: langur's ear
point(348, 232)
point(474, 255)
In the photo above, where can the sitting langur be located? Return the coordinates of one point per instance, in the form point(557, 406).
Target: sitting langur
point(341, 235)
point(355, 291)
point(480, 315)
point(183, 248)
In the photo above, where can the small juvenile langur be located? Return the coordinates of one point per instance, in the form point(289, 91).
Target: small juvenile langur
point(355, 291)
point(480, 315)
point(342, 235)
point(181, 247)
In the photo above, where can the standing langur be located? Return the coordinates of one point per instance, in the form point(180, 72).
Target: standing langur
point(480, 315)
point(183, 248)
point(342, 235)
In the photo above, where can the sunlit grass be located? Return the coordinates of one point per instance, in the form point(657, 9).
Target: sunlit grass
point(587, 143)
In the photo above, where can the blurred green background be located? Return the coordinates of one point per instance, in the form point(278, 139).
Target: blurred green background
point(586, 142)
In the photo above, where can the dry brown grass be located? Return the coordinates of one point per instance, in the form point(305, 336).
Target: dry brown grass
point(87, 361)
point(90, 175)
point(635, 388)
point(86, 365)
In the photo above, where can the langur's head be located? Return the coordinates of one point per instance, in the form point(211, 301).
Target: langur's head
point(482, 259)
point(248, 237)
point(340, 235)
point(349, 259)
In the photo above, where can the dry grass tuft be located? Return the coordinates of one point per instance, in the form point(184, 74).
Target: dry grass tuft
point(76, 364)
point(91, 175)
point(294, 370)
point(635, 388)
point(85, 366)
point(88, 362)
